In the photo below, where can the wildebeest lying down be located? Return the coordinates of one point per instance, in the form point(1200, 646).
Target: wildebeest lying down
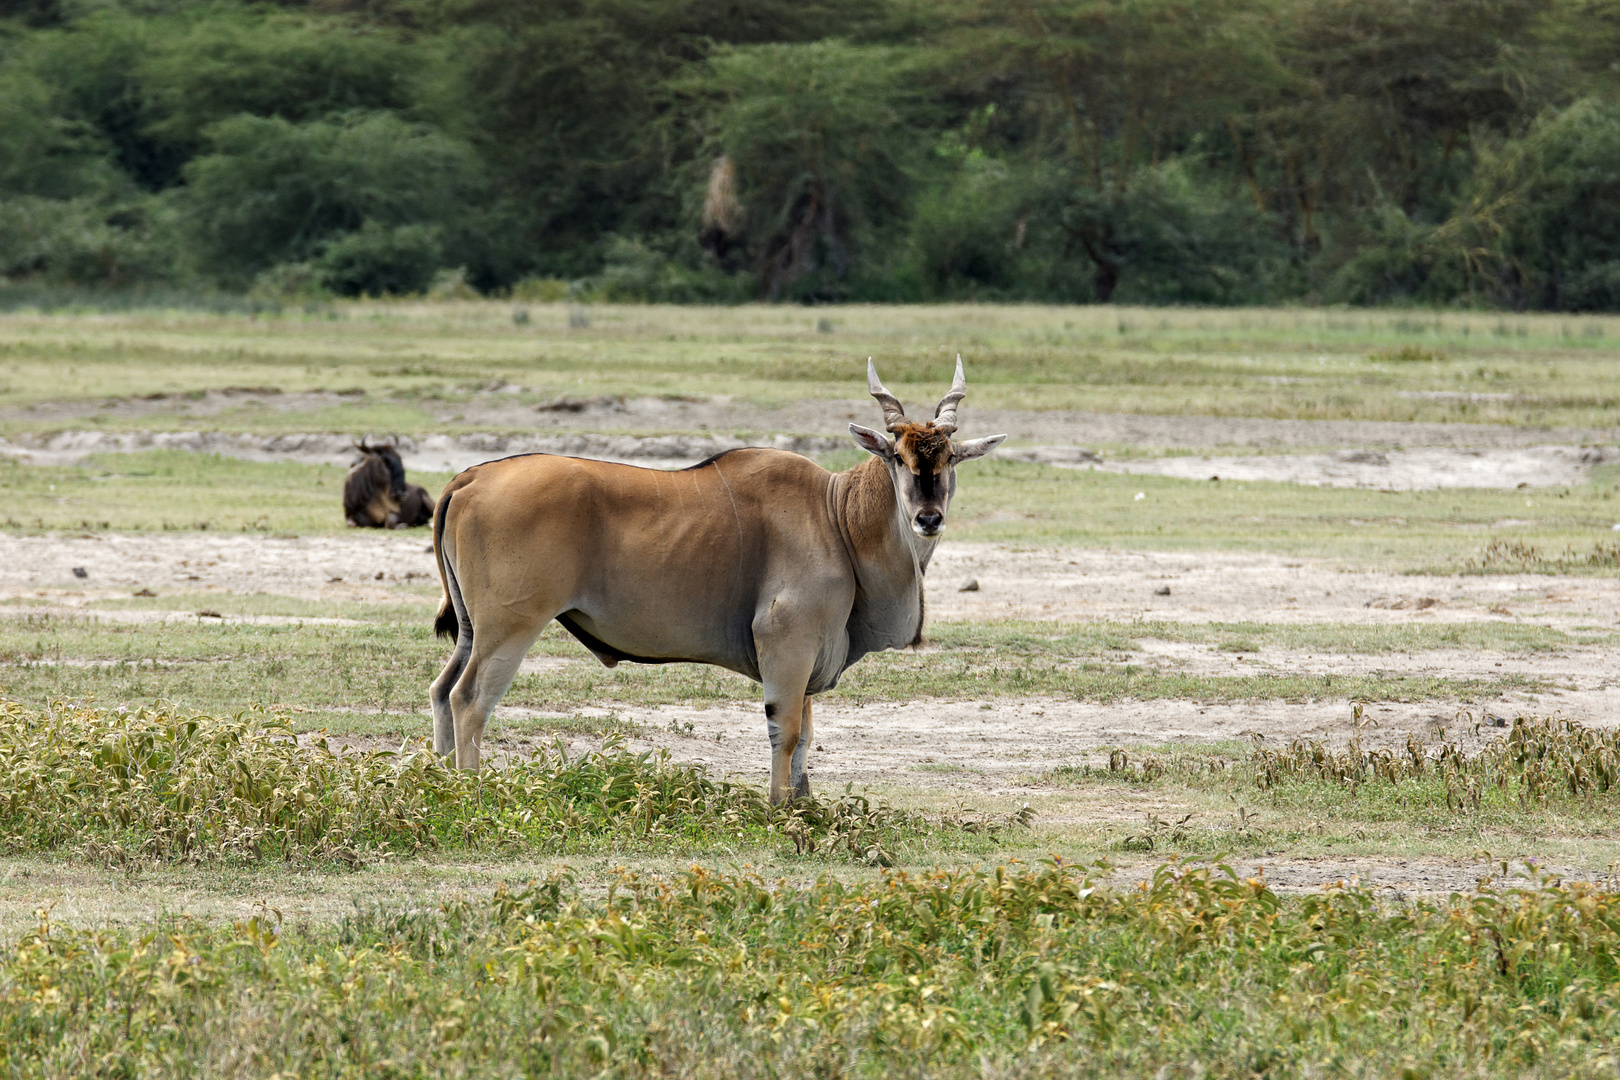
point(375, 494)
point(756, 560)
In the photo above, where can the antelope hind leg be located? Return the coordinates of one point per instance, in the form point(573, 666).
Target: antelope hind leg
point(444, 724)
point(478, 690)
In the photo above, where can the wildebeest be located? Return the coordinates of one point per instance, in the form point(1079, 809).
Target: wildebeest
point(375, 494)
point(756, 560)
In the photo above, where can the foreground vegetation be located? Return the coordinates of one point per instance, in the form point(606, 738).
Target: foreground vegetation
point(147, 787)
point(1029, 969)
point(1026, 971)
point(135, 787)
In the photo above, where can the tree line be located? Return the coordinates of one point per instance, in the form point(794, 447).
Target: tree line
point(1150, 151)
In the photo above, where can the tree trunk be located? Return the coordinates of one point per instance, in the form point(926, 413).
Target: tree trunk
point(1105, 281)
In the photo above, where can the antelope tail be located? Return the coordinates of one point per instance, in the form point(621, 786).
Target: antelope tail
point(448, 623)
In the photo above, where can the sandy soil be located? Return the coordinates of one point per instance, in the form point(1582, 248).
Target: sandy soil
point(1420, 469)
point(1390, 456)
point(987, 746)
point(1015, 582)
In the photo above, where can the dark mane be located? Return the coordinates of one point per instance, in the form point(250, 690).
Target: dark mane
point(710, 460)
point(389, 457)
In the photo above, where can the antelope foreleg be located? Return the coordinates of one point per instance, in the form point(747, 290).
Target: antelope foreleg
point(783, 719)
point(785, 640)
point(784, 722)
point(798, 773)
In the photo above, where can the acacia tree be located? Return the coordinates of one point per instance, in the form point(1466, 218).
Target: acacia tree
point(816, 144)
point(1117, 88)
point(1385, 103)
point(570, 102)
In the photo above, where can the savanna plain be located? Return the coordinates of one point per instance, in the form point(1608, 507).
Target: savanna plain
point(1265, 724)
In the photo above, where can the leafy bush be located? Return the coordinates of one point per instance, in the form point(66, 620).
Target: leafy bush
point(375, 260)
point(968, 234)
point(1552, 236)
point(635, 272)
point(273, 191)
point(86, 241)
point(129, 787)
point(1169, 236)
point(1393, 259)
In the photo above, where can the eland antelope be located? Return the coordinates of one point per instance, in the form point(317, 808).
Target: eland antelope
point(756, 560)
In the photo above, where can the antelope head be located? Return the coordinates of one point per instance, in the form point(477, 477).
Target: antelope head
point(921, 458)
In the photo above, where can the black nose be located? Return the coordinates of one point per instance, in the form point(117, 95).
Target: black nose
point(930, 521)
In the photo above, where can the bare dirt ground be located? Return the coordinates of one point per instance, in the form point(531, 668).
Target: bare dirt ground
point(985, 746)
point(1418, 469)
point(1001, 749)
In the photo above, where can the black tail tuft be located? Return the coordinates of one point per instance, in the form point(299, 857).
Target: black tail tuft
point(447, 625)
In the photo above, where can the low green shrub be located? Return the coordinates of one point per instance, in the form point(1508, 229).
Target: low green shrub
point(158, 784)
point(1009, 971)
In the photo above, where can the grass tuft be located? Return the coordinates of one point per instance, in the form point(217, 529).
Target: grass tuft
point(1518, 557)
point(1541, 759)
point(127, 788)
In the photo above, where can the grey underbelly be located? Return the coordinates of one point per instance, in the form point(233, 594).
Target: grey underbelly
point(727, 648)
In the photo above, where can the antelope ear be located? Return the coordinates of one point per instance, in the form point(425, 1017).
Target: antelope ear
point(873, 442)
point(967, 451)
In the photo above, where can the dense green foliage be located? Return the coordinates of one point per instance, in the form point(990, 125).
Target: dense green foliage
point(1164, 151)
point(1012, 971)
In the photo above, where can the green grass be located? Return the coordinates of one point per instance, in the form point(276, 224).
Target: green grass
point(417, 361)
point(1427, 531)
point(1015, 971)
point(164, 785)
point(371, 678)
point(166, 490)
point(1031, 639)
point(419, 605)
point(998, 501)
